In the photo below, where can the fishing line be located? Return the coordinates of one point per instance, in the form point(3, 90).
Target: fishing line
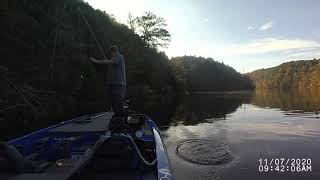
point(104, 56)
point(84, 18)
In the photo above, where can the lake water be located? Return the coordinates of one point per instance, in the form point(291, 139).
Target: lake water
point(224, 135)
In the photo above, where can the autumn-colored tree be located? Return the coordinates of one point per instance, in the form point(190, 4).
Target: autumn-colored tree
point(295, 74)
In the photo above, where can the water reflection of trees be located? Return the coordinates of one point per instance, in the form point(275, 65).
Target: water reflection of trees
point(160, 109)
point(192, 109)
point(298, 99)
point(196, 108)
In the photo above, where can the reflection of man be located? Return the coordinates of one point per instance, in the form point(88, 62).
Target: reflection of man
point(116, 79)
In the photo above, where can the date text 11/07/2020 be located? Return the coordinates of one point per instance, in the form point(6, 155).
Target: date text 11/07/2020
point(285, 165)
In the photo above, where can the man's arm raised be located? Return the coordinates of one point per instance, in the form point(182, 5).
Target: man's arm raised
point(106, 61)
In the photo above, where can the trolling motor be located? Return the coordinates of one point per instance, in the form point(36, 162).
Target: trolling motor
point(118, 122)
point(128, 122)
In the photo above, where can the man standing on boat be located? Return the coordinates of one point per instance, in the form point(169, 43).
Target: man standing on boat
point(116, 79)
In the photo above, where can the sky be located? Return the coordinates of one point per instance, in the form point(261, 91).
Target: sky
point(244, 34)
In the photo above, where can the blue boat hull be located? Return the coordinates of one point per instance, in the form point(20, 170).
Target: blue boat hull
point(71, 148)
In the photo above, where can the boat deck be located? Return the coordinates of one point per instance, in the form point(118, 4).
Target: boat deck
point(68, 141)
point(97, 123)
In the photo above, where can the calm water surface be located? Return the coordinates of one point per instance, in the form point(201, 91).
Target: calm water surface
point(223, 136)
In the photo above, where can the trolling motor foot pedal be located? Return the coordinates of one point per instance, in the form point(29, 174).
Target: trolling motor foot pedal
point(118, 124)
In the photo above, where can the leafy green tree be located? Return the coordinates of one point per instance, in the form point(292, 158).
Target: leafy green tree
point(132, 22)
point(152, 29)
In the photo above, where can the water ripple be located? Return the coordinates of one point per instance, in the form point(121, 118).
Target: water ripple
point(204, 151)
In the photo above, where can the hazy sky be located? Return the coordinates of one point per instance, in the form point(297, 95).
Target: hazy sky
point(245, 34)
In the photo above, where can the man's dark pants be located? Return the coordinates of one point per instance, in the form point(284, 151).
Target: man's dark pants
point(116, 95)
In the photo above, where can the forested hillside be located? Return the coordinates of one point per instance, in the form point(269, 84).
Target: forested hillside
point(45, 74)
point(45, 71)
point(295, 74)
point(198, 74)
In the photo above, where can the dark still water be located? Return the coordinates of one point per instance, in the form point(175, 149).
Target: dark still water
point(223, 136)
point(234, 135)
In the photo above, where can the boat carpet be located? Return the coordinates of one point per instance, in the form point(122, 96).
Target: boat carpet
point(98, 123)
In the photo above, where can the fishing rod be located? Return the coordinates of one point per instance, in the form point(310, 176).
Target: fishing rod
point(84, 18)
point(91, 31)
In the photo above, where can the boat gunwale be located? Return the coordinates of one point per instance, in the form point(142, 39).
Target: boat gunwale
point(13, 141)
